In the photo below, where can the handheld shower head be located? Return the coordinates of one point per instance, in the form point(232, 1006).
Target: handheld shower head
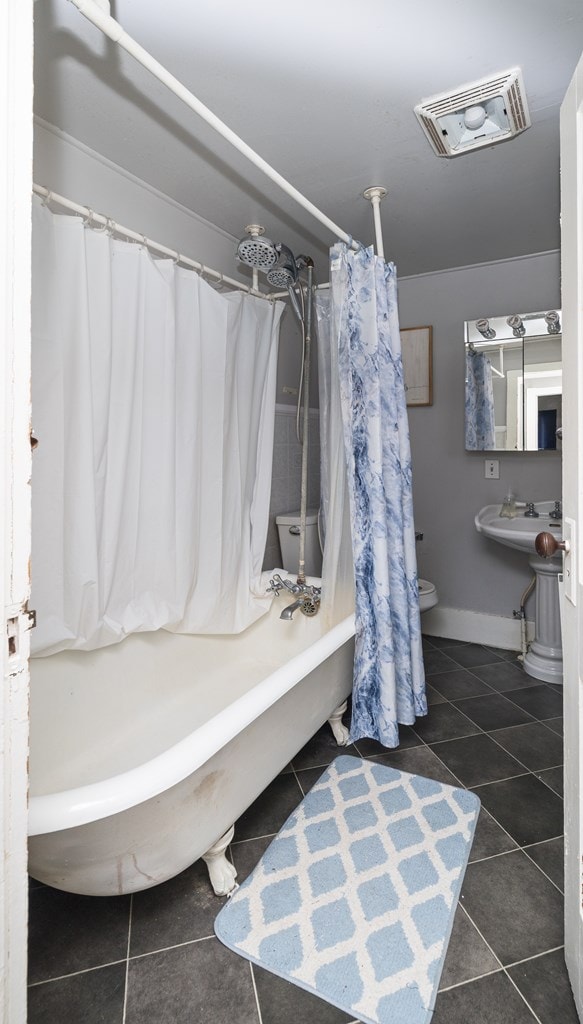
point(284, 273)
point(294, 303)
point(257, 252)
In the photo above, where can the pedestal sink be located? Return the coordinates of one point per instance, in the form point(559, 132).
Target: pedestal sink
point(544, 659)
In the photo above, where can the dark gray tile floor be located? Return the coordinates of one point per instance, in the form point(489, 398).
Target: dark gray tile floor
point(153, 957)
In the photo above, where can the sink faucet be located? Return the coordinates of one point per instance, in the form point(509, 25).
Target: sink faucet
point(307, 598)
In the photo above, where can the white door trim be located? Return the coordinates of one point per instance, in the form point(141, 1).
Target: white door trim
point(572, 588)
point(16, 47)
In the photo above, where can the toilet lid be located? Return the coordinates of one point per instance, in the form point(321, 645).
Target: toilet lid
point(425, 587)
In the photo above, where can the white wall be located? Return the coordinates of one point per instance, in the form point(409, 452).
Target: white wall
point(470, 571)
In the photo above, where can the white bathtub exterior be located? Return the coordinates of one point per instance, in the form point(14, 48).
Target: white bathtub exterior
point(144, 753)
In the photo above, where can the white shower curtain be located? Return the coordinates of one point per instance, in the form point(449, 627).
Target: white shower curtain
point(337, 562)
point(153, 403)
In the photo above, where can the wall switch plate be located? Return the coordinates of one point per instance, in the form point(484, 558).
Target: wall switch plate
point(492, 469)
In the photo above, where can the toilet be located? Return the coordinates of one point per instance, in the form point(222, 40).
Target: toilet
point(427, 595)
point(288, 528)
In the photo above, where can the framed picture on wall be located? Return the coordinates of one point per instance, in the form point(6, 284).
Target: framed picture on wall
point(416, 344)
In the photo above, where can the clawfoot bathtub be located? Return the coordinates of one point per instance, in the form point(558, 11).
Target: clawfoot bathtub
point(143, 754)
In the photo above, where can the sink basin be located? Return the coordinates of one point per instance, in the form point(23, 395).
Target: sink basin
point(521, 531)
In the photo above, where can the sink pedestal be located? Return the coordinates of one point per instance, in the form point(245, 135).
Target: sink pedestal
point(544, 659)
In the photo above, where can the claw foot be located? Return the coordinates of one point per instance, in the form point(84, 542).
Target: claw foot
point(222, 874)
point(341, 733)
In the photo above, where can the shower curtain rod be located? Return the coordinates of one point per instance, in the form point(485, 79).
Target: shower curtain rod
point(111, 28)
point(119, 229)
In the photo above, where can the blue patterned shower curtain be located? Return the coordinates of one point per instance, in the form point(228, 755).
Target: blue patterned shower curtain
point(480, 426)
point(389, 679)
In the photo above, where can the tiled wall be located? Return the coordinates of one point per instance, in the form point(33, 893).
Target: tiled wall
point(287, 470)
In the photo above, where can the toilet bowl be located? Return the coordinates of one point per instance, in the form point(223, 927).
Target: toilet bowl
point(427, 595)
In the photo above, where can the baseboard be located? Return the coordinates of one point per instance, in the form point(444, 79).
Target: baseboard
point(475, 627)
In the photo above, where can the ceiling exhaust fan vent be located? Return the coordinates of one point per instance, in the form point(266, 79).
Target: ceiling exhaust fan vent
point(480, 114)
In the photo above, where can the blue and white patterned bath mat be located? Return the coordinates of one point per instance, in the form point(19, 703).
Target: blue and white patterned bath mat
point(354, 899)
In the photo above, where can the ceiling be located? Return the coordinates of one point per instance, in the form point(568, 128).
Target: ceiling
point(325, 93)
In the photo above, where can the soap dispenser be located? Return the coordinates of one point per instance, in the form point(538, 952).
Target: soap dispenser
point(508, 510)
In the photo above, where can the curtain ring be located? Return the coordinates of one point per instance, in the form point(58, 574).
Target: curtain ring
point(48, 198)
point(99, 228)
point(88, 218)
point(176, 259)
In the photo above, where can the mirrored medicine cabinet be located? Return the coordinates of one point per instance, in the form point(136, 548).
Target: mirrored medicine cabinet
point(513, 398)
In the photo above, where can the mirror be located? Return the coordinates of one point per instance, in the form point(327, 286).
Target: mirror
point(514, 382)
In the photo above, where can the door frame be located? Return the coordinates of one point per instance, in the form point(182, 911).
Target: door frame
point(571, 587)
point(16, 52)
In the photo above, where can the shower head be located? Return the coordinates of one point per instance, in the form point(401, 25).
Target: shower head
point(277, 261)
point(257, 252)
point(284, 273)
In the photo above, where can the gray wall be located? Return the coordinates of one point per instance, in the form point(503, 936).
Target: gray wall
point(471, 572)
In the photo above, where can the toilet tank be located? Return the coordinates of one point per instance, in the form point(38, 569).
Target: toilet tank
point(288, 528)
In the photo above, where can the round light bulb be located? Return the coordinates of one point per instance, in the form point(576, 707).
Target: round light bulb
point(474, 117)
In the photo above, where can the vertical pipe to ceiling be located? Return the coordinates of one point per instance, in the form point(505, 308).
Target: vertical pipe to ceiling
point(306, 425)
point(374, 194)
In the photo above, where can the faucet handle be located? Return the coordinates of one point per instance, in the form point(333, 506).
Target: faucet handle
point(531, 512)
point(275, 585)
point(556, 513)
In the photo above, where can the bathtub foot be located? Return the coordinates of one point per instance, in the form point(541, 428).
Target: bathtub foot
point(221, 872)
point(340, 731)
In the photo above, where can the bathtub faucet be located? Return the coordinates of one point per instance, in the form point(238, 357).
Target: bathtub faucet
point(307, 597)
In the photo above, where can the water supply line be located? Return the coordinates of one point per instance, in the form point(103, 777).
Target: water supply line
point(306, 425)
point(113, 30)
point(521, 614)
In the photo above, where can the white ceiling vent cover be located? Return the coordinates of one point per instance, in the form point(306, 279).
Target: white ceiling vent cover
point(481, 114)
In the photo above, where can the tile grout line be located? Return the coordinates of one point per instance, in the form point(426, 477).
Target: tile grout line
point(525, 850)
point(523, 997)
point(297, 780)
point(73, 974)
point(125, 993)
point(483, 938)
point(470, 981)
point(258, 1004)
point(537, 956)
point(176, 945)
point(253, 839)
